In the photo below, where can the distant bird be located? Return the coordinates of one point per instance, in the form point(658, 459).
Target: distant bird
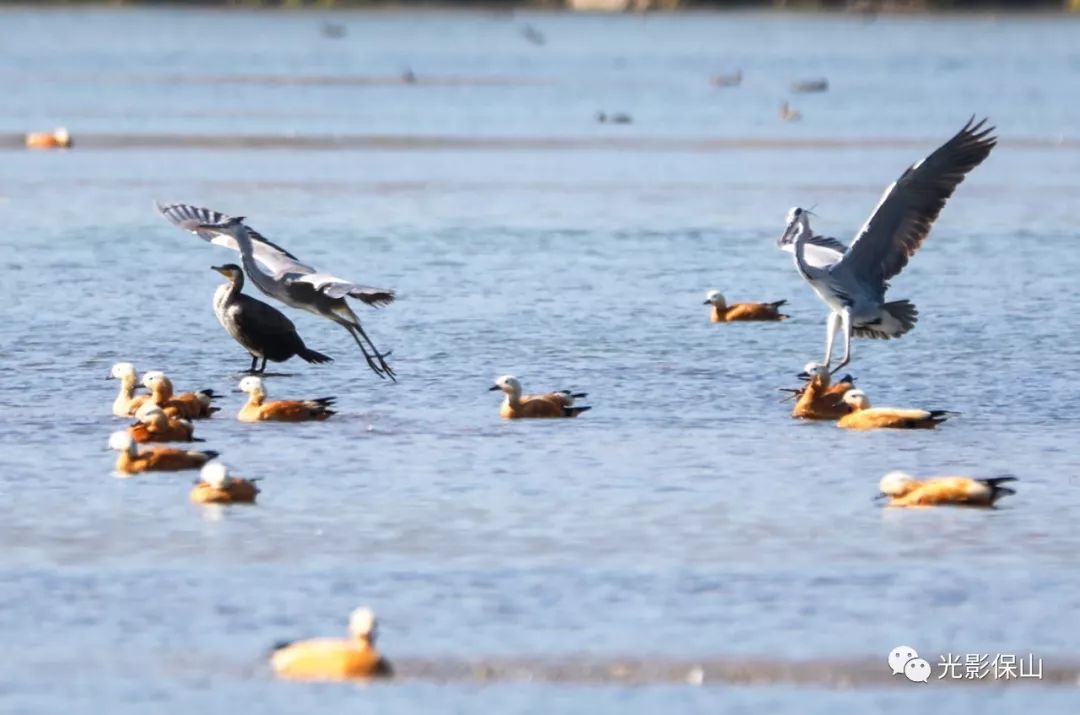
point(727, 80)
point(533, 35)
point(154, 425)
point(865, 417)
point(904, 490)
point(333, 30)
point(810, 85)
point(216, 486)
point(285, 277)
point(517, 405)
point(408, 76)
point(617, 118)
point(721, 312)
point(58, 139)
point(188, 406)
point(127, 401)
point(261, 329)
point(854, 285)
point(257, 409)
point(821, 400)
point(788, 114)
point(334, 658)
point(133, 460)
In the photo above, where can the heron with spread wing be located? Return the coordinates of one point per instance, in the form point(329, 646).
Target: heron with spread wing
point(281, 275)
point(852, 281)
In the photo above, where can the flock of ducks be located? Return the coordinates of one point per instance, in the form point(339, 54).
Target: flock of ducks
point(850, 280)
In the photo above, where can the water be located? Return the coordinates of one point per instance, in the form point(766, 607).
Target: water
point(686, 518)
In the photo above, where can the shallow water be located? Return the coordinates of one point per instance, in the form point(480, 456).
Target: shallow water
point(685, 517)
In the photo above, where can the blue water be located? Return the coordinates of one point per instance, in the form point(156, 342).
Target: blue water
point(686, 516)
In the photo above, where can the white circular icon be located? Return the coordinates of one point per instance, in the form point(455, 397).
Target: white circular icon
point(917, 670)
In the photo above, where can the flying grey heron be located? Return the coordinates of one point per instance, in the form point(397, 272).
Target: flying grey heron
point(853, 281)
point(261, 329)
point(281, 275)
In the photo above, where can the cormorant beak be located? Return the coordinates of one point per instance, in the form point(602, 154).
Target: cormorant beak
point(494, 388)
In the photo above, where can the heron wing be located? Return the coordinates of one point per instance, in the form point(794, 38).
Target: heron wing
point(273, 257)
point(908, 208)
point(335, 287)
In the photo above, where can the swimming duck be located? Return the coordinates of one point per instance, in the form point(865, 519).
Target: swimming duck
point(58, 139)
point(904, 490)
point(334, 658)
point(721, 312)
point(189, 405)
point(127, 401)
point(133, 460)
point(217, 486)
point(820, 399)
point(258, 410)
point(552, 404)
point(863, 416)
point(155, 426)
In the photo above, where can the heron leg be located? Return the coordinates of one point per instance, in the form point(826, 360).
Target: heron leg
point(830, 337)
point(375, 359)
point(845, 325)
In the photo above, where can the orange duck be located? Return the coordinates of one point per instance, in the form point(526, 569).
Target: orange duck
point(723, 313)
point(257, 409)
point(903, 490)
point(216, 486)
point(155, 426)
point(551, 404)
point(188, 406)
point(133, 460)
point(334, 658)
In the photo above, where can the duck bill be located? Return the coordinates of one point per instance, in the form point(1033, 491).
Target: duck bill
point(494, 388)
point(881, 496)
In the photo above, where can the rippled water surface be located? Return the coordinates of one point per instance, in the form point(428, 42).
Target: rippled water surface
point(685, 517)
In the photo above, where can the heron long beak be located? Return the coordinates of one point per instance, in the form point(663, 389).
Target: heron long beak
point(493, 388)
point(787, 236)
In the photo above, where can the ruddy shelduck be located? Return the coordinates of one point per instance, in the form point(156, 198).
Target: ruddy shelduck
point(902, 489)
point(217, 486)
point(257, 409)
point(133, 460)
point(820, 399)
point(127, 401)
point(721, 312)
point(188, 405)
point(155, 426)
point(57, 139)
point(552, 404)
point(334, 658)
point(864, 417)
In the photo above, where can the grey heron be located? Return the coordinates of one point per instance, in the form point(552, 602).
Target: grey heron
point(281, 275)
point(261, 329)
point(853, 281)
